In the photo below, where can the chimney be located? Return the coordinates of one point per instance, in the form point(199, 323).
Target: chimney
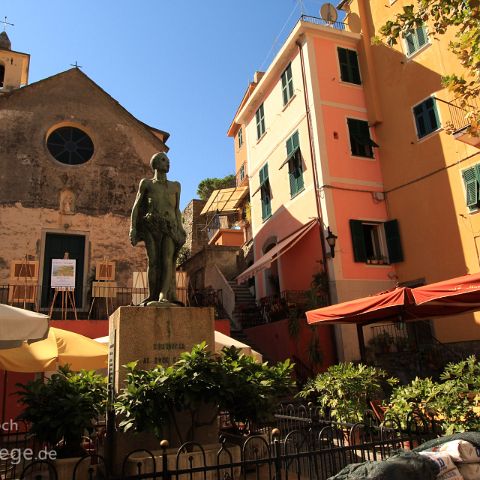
point(258, 76)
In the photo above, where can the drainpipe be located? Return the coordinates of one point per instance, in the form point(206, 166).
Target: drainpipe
point(316, 187)
point(314, 164)
point(366, 23)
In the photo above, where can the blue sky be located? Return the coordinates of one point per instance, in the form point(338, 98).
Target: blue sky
point(181, 66)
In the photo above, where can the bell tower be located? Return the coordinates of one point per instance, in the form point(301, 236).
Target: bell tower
point(13, 66)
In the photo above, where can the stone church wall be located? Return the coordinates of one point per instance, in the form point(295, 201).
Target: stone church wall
point(39, 195)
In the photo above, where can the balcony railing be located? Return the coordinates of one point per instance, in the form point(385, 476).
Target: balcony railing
point(321, 21)
point(458, 113)
point(280, 307)
point(97, 303)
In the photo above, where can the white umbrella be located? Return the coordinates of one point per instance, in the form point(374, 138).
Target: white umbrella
point(18, 325)
point(221, 340)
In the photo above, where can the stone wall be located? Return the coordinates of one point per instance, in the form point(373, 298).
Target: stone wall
point(194, 225)
point(40, 195)
point(200, 267)
point(22, 229)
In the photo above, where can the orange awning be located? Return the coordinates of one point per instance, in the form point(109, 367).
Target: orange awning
point(279, 249)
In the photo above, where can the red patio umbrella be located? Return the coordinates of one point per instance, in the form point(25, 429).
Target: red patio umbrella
point(456, 295)
point(374, 308)
point(449, 297)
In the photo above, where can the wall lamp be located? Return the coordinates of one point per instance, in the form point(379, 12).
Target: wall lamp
point(331, 239)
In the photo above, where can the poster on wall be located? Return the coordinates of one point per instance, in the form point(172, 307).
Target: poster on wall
point(63, 273)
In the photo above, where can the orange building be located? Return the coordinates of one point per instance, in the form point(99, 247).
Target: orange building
point(431, 178)
point(313, 166)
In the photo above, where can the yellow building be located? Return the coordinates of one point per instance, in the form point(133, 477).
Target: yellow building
point(426, 171)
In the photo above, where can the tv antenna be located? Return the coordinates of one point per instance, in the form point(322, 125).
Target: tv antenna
point(329, 13)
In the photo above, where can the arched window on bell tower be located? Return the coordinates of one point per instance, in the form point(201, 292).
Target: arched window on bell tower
point(2, 74)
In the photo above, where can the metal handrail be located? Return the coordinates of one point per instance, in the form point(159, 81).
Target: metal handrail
point(321, 21)
point(458, 113)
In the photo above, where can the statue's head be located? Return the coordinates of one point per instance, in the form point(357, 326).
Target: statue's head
point(160, 161)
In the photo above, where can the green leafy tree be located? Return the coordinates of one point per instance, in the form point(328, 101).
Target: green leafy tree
point(463, 18)
point(208, 185)
point(63, 408)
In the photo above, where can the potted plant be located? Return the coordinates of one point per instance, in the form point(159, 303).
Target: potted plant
point(382, 343)
point(63, 408)
point(344, 390)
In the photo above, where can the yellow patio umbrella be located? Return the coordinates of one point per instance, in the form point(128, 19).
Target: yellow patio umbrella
point(61, 347)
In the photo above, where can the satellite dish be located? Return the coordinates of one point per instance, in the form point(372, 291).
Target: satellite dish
point(329, 13)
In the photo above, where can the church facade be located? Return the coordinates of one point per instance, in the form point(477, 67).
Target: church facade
point(71, 158)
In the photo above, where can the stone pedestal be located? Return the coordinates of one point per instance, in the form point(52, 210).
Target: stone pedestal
point(152, 336)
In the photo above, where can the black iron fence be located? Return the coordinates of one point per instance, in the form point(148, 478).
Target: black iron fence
point(300, 443)
point(299, 455)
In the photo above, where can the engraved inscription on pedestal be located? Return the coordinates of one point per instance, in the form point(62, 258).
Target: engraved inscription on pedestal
point(155, 336)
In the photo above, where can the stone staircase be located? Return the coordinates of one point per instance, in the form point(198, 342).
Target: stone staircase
point(246, 311)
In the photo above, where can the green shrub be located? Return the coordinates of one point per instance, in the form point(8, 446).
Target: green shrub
point(452, 402)
point(230, 382)
point(63, 408)
point(343, 391)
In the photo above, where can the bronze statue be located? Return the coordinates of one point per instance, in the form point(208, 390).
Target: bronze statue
point(156, 219)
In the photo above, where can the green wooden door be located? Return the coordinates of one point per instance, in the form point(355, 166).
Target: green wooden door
point(55, 247)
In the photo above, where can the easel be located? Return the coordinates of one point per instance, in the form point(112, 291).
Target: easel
point(139, 287)
point(182, 287)
point(104, 285)
point(24, 286)
point(67, 295)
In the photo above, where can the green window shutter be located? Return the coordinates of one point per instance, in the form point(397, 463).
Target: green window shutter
point(265, 172)
point(349, 71)
point(291, 177)
point(295, 173)
point(344, 66)
point(287, 84)
point(292, 143)
point(359, 250)
point(260, 121)
point(422, 37)
point(394, 244)
point(471, 179)
point(299, 178)
point(289, 146)
point(266, 203)
point(295, 141)
point(284, 88)
point(354, 70)
point(410, 40)
point(360, 142)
